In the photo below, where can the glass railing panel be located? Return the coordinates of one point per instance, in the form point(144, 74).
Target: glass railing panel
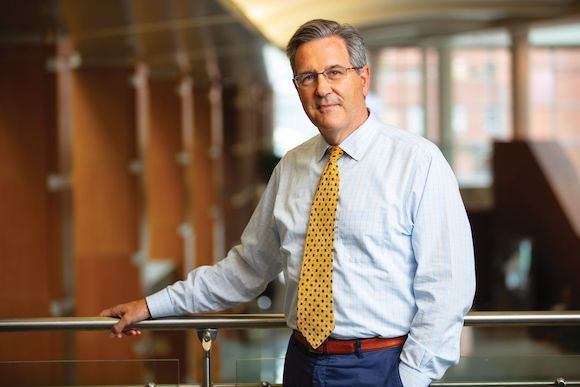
point(511, 369)
point(251, 355)
point(516, 354)
point(163, 372)
point(254, 371)
point(472, 370)
point(508, 354)
point(550, 340)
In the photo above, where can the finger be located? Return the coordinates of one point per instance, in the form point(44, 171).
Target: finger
point(116, 311)
point(119, 327)
point(106, 313)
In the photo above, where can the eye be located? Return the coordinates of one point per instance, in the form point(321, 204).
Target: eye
point(308, 77)
point(335, 73)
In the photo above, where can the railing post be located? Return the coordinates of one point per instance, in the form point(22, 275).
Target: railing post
point(207, 337)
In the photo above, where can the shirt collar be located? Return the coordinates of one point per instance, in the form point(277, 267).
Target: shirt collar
point(357, 143)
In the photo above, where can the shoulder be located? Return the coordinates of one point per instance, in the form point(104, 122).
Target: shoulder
point(305, 151)
point(407, 144)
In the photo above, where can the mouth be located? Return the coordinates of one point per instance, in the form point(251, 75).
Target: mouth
point(326, 106)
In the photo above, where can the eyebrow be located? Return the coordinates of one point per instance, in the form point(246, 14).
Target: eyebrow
point(314, 71)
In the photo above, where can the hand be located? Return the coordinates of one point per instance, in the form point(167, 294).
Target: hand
point(128, 314)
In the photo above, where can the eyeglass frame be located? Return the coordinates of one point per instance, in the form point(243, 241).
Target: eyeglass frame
point(323, 73)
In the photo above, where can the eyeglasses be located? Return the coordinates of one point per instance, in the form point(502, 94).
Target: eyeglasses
point(333, 74)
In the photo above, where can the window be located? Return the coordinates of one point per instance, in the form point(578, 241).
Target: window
point(554, 105)
point(398, 86)
point(481, 110)
point(291, 125)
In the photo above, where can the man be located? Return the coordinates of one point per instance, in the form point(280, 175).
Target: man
point(377, 281)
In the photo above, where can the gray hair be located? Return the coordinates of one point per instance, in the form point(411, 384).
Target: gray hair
point(320, 28)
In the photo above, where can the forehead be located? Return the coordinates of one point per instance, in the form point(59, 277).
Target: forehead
point(321, 53)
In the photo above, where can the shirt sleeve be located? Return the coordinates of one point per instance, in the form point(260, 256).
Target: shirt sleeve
point(444, 282)
point(239, 277)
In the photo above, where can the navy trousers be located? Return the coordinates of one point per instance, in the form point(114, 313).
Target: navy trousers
point(360, 369)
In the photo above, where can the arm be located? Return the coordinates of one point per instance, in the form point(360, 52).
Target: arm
point(239, 277)
point(444, 282)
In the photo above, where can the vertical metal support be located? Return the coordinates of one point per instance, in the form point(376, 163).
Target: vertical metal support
point(217, 156)
point(67, 61)
point(213, 71)
point(520, 79)
point(207, 337)
point(446, 100)
point(140, 83)
point(425, 90)
point(187, 229)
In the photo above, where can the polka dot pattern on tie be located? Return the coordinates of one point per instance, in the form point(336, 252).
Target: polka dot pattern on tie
point(315, 310)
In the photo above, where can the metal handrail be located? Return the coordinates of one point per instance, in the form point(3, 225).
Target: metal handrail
point(202, 321)
point(544, 383)
point(206, 324)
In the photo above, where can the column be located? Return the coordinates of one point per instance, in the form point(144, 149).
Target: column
point(520, 82)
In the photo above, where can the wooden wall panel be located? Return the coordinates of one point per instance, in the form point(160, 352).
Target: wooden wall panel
point(29, 256)
point(165, 199)
point(105, 207)
point(247, 152)
point(240, 161)
point(104, 145)
point(203, 195)
point(26, 140)
point(105, 201)
point(166, 204)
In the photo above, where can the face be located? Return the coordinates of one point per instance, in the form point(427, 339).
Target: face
point(336, 108)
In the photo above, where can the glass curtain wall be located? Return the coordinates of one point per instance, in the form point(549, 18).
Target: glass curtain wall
point(555, 87)
point(405, 94)
point(407, 86)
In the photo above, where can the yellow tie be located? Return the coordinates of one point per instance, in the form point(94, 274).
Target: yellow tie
point(315, 314)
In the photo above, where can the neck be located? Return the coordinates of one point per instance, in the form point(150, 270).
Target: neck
point(335, 138)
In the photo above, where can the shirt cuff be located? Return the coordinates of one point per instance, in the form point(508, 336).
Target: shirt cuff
point(412, 378)
point(160, 304)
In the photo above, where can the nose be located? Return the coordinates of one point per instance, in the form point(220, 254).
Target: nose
point(322, 85)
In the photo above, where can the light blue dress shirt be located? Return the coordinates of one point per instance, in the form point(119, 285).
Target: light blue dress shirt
point(403, 259)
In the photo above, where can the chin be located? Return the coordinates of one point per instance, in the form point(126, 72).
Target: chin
point(328, 121)
point(330, 133)
point(328, 126)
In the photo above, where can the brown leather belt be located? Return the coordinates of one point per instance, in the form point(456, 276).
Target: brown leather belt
point(335, 346)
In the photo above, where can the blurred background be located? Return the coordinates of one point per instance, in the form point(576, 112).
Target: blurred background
point(136, 137)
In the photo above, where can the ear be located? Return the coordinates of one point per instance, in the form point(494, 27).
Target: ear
point(365, 76)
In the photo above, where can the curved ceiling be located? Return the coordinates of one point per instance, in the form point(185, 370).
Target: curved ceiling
point(400, 22)
point(223, 38)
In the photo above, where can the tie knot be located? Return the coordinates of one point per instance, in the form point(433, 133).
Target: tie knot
point(335, 154)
